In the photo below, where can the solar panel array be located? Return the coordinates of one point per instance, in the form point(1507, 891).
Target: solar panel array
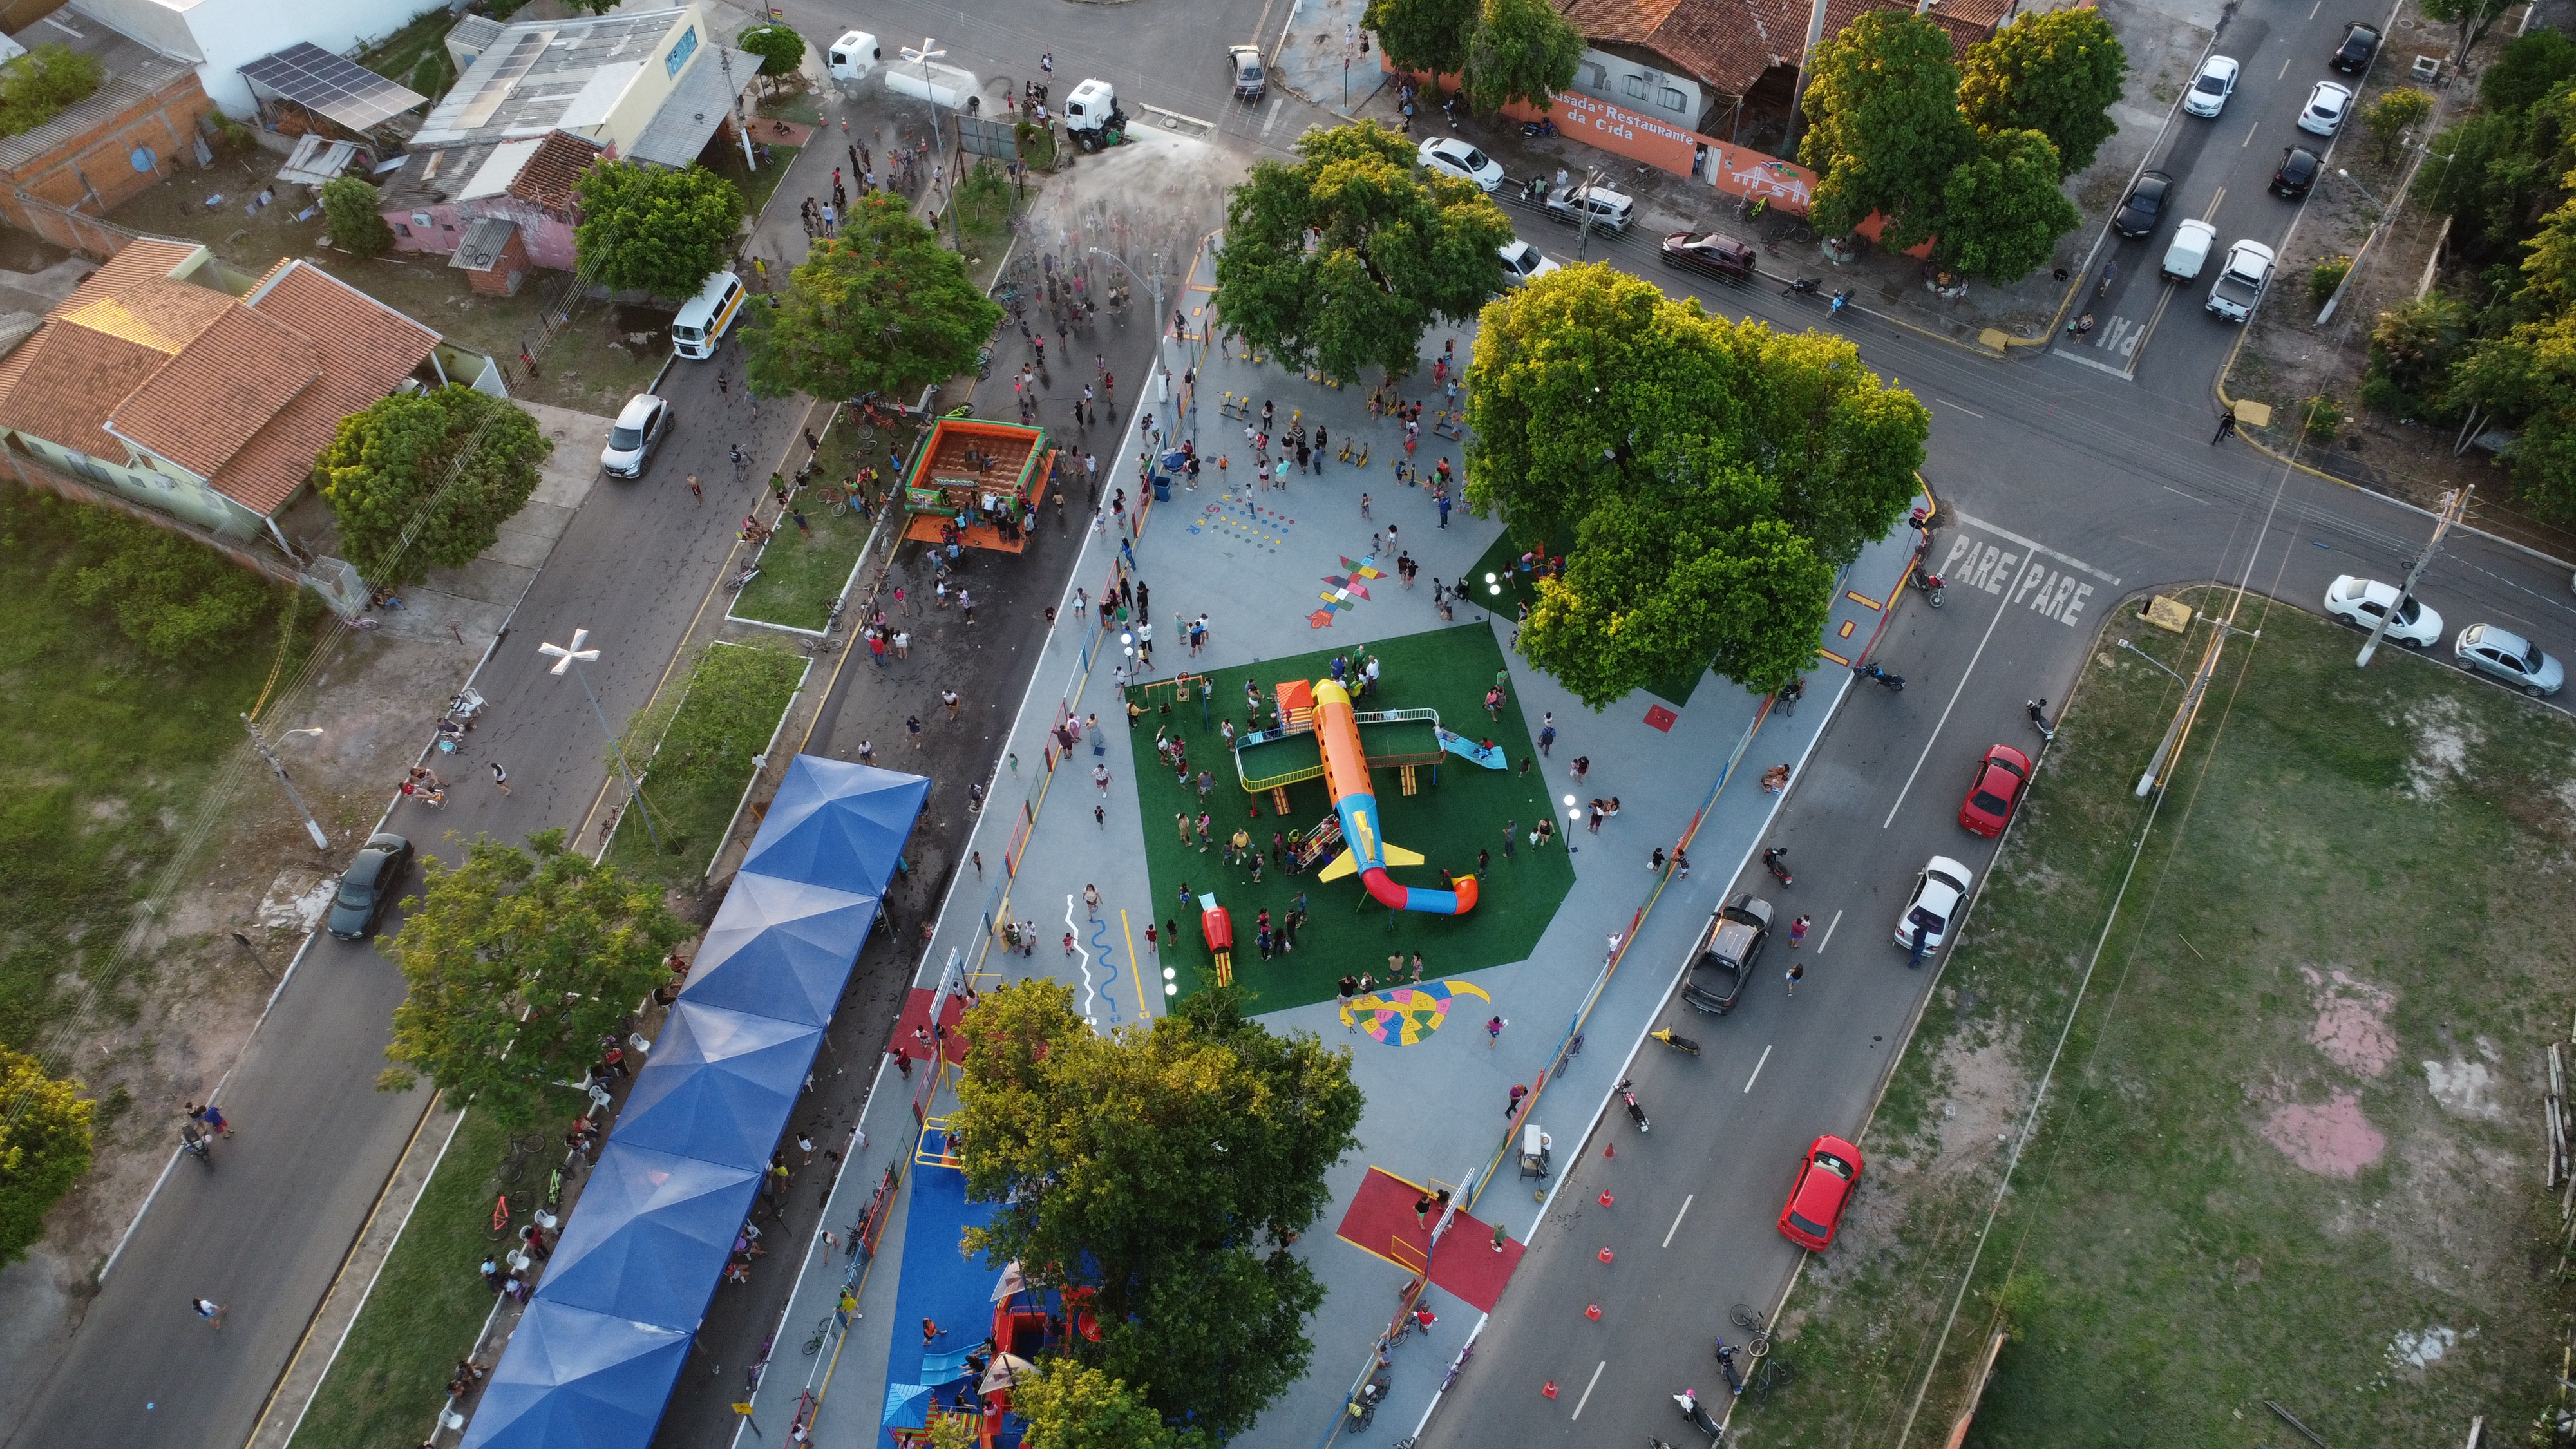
point(343, 90)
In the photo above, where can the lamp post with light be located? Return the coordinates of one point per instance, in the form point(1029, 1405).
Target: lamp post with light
point(570, 657)
point(312, 827)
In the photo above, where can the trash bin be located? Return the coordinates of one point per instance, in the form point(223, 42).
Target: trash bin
point(1162, 488)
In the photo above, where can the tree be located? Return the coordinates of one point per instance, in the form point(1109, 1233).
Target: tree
point(2058, 74)
point(1714, 476)
point(1884, 102)
point(1339, 262)
point(2482, 173)
point(880, 308)
point(1424, 35)
point(357, 222)
point(170, 594)
point(2413, 347)
point(518, 965)
point(1166, 1167)
point(1071, 1406)
point(44, 1148)
point(2392, 115)
point(780, 49)
point(2532, 65)
point(2470, 20)
point(2528, 377)
point(1523, 50)
point(653, 229)
point(424, 480)
point(36, 86)
point(2002, 212)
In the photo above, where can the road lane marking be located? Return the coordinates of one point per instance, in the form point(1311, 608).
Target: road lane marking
point(1587, 1390)
point(2211, 215)
point(1945, 402)
point(2178, 493)
point(1677, 1222)
point(1748, 1087)
point(2285, 65)
point(1829, 933)
point(1934, 738)
point(2249, 136)
point(1967, 521)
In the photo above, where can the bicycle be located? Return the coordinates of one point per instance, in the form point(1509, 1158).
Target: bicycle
point(515, 1165)
point(1769, 1373)
point(822, 1331)
point(1464, 1354)
point(500, 1217)
point(1751, 1322)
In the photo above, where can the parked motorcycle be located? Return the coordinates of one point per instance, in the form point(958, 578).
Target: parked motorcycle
point(1802, 286)
point(197, 1144)
point(1699, 1417)
point(1775, 860)
point(1929, 582)
point(1635, 1109)
point(1893, 683)
point(1538, 129)
point(1676, 1041)
point(1726, 1364)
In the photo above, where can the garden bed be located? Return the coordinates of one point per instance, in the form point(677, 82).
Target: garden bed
point(696, 756)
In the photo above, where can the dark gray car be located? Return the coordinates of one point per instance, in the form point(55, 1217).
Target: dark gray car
point(2145, 207)
point(371, 881)
point(1723, 960)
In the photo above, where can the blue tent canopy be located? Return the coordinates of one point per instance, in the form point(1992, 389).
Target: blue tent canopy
point(592, 1363)
point(574, 1379)
point(652, 1236)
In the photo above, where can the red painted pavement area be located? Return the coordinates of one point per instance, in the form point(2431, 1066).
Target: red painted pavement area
point(1661, 718)
point(916, 1012)
point(1380, 1221)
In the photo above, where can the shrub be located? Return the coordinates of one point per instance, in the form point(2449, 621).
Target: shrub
point(169, 593)
point(2324, 417)
point(2391, 115)
point(2325, 276)
point(357, 227)
point(36, 86)
point(44, 1148)
point(2412, 349)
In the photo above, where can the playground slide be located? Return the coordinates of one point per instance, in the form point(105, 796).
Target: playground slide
point(1489, 756)
point(1346, 781)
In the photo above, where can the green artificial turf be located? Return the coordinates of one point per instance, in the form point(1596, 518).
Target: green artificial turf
point(1448, 670)
point(1502, 560)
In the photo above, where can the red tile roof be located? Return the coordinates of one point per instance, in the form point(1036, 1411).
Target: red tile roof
point(548, 178)
point(367, 349)
point(223, 386)
point(1730, 43)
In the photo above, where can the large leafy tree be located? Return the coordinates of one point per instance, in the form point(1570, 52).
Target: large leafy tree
point(2531, 66)
point(1341, 261)
point(1424, 35)
point(880, 308)
point(2002, 211)
point(655, 229)
point(357, 222)
point(2397, 111)
point(1522, 50)
point(2057, 73)
point(780, 49)
point(1166, 1167)
point(518, 963)
point(2469, 21)
point(1886, 128)
point(1069, 1405)
point(425, 480)
point(44, 1148)
point(1713, 475)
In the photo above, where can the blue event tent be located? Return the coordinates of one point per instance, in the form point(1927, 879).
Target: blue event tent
point(593, 1361)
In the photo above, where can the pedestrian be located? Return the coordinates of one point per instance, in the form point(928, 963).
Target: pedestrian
point(1483, 859)
point(1068, 943)
point(1656, 861)
point(912, 723)
point(931, 1332)
point(1511, 837)
point(500, 777)
point(1615, 939)
point(1100, 777)
point(1595, 826)
point(1343, 991)
point(1512, 1108)
point(1498, 1237)
point(1798, 933)
point(491, 1274)
point(1582, 766)
point(2226, 425)
point(1422, 1207)
point(1547, 732)
point(1681, 865)
point(209, 1310)
point(1091, 901)
point(697, 492)
point(1797, 973)
point(1417, 967)
point(1150, 948)
point(948, 697)
point(1493, 1032)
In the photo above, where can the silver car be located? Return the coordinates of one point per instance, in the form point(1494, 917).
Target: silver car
point(640, 427)
point(2486, 649)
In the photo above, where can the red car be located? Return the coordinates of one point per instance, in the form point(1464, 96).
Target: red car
point(2001, 777)
point(1826, 1177)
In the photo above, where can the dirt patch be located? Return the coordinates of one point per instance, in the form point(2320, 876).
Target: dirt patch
point(2332, 1140)
point(2443, 739)
point(2352, 1022)
point(2464, 1088)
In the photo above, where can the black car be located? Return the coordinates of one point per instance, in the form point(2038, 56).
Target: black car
point(1723, 959)
point(1716, 254)
point(2298, 172)
point(2360, 43)
point(2145, 207)
point(372, 880)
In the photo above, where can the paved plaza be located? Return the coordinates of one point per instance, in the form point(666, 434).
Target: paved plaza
point(1273, 570)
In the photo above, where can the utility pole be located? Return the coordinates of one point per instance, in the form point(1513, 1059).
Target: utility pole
point(2455, 506)
point(741, 125)
point(1583, 221)
point(571, 657)
point(2170, 747)
point(312, 827)
point(1798, 91)
point(924, 55)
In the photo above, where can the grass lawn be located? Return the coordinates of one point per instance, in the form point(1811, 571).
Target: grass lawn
point(754, 184)
point(390, 1378)
point(801, 574)
point(2292, 1147)
point(416, 55)
point(1502, 560)
point(1447, 670)
point(695, 749)
point(104, 752)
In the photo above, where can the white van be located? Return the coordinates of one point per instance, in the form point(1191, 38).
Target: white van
point(704, 317)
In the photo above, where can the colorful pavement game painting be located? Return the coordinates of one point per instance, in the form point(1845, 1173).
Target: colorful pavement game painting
point(1345, 589)
point(1407, 1015)
point(1245, 518)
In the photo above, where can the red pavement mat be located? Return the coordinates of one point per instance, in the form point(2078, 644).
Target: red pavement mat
point(1380, 1222)
point(916, 1012)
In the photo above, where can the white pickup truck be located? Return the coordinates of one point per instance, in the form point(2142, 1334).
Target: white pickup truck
point(2240, 282)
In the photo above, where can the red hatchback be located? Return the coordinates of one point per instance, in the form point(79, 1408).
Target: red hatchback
point(1826, 1177)
point(2001, 777)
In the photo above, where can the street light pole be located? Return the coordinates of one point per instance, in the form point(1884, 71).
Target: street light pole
point(312, 827)
point(925, 55)
point(2455, 506)
point(571, 657)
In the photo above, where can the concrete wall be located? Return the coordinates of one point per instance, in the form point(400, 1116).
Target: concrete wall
point(644, 95)
point(95, 171)
point(1640, 85)
point(189, 499)
point(548, 238)
point(224, 35)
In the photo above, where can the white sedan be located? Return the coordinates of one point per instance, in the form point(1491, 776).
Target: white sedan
point(1525, 263)
point(2362, 603)
point(1452, 157)
point(2326, 108)
point(1940, 888)
point(2210, 90)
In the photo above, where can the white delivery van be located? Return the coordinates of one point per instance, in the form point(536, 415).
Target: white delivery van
point(2193, 240)
point(854, 56)
point(704, 317)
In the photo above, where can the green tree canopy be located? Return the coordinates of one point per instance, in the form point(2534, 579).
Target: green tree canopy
point(2469, 20)
point(1523, 50)
point(2531, 66)
point(518, 963)
point(1886, 133)
point(172, 595)
point(2528, 377)
point(1714, 475)
point(44, 1148)
point(780, 49)
point(880, 308)
point(1341, 261)
point(395, 470)
point(2002, 211)
point(357, 221)
point(653, 229)
point(2391, 116)
point(1071, 1406)
point(2057, 73)
point(1424, 35)
point(35, 87)
point(1167, 1167)
point(2413, 347)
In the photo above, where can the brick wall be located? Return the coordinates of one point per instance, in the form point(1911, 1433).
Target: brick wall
point(92, 172)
